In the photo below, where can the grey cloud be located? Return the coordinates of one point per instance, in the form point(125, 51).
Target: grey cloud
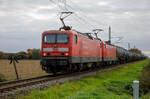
point(23, 21)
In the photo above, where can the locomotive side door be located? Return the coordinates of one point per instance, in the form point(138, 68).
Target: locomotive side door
point(100, 51)
point(75, 49)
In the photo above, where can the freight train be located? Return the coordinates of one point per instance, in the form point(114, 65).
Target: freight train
point(70, 50)
point(67, 50)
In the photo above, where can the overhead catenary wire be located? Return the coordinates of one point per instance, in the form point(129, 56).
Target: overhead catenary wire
point(119, 37)
point(57, 4)
point(66, 6)
point(66, 9)
point(78, 16)
point(89, 18)
point(62, 8)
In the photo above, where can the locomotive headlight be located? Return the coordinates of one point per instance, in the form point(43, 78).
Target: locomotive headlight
point(44, 54)
point(66, 54)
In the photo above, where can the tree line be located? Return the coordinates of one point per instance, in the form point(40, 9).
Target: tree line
point(29, 54)
point(36, 54)
point(135, 50)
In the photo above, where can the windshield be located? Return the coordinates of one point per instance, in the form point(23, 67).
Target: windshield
point(56, 38)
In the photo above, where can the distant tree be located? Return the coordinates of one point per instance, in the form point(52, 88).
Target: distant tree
point(1, 54)
point(135, 50)
point(36, 53)
point(29, 53)
point(22, 55)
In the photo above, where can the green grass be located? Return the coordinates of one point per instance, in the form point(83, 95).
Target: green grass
point(114, 84)
point(147, 96)
point(145, 80)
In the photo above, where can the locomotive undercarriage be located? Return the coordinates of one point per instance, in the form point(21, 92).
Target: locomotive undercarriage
point(54, 64)
point(63, 64)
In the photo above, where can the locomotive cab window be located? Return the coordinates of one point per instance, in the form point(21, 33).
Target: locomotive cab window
point(49, 38)
point(62, 38)
point(75, 39)
point(56, 38)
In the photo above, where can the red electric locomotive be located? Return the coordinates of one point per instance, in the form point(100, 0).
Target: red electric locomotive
point(69, 51)
point(108, 53)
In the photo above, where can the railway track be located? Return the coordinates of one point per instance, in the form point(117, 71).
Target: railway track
point(6, 86)
point(12, 89)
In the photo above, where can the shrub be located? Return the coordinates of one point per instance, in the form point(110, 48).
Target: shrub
point(145, 80)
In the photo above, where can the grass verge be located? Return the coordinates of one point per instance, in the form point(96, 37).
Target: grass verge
point(147, 96)
point(145, 82)
point(114, 84)
point(2, 78)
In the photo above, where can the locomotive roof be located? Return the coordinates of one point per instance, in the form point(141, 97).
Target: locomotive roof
point(87, 35)
point(56, 31)
point(73, 31)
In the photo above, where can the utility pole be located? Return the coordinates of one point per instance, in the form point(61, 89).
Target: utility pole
point(134, 47)
point(128, 46)
point(109, 35)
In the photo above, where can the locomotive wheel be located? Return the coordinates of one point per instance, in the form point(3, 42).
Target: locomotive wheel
point(73, 68)
point(47, 70)
point(69, 68)
point(97, 65)
point(80, 67)
point(85, 66)
point(53, 71)
point(93, 67)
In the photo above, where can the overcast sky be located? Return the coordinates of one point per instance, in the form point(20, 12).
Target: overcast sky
point(23, 21)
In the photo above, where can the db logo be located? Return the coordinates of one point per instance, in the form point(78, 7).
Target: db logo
point(55, 49)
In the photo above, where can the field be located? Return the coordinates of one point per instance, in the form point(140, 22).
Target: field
point(114, 84)
point(26, 69)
